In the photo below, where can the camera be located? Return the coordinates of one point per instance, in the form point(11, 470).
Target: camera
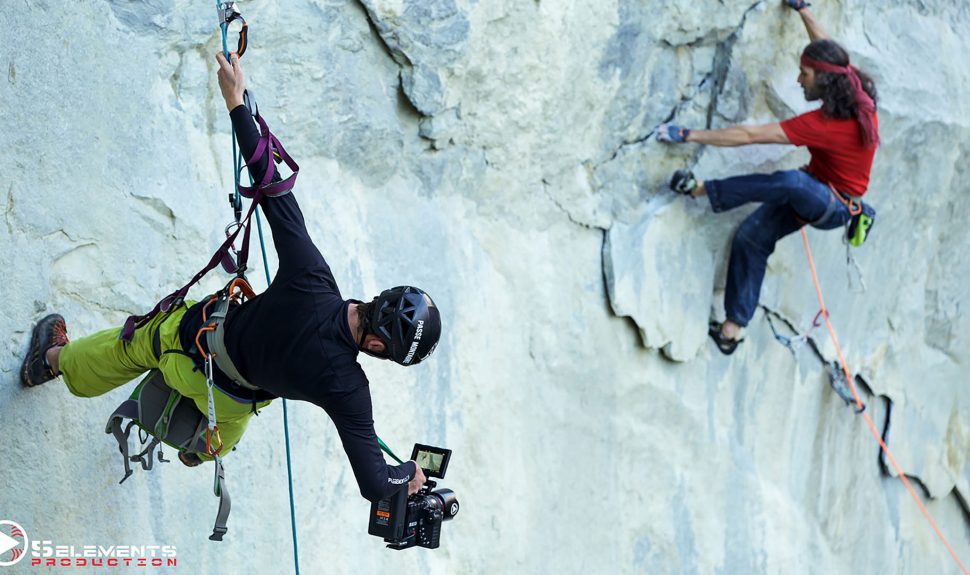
point(405, 521)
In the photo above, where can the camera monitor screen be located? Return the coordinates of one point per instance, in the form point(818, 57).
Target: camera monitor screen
point(433, 460)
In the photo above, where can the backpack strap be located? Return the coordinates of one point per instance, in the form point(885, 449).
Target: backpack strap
point(221, 490)
point(159, 412)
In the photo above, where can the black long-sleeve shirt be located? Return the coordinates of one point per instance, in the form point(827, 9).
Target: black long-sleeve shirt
point(294, 340)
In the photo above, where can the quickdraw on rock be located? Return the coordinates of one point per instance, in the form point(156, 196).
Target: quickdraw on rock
point(837, 379)
point(872, 426)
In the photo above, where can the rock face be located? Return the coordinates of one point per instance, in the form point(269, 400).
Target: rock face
point(501, 154)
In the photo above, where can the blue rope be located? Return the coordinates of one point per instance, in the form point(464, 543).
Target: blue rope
point(237, 168)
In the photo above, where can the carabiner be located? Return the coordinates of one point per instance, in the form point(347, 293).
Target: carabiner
point(227, 14)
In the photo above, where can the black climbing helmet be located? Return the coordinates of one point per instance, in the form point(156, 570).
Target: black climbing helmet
point(407, 321)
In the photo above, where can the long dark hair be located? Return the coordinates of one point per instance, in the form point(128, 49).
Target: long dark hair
point(838, 96)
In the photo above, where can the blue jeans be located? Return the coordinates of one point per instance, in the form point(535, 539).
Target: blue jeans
point(790, 199)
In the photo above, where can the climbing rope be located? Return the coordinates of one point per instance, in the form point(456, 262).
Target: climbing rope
point(228, 13)
point(859, 404)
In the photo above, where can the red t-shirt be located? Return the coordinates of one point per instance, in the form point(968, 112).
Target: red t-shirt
point(838, 156)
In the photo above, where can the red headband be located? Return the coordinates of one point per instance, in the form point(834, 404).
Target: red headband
point(865, 107)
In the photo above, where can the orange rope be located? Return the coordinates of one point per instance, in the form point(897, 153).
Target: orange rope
point(872, 426)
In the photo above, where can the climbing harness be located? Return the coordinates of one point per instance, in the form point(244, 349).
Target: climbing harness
point(872, 426)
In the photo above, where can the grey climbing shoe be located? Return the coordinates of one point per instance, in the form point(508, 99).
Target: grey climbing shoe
point(49, 332)
point(683, 182)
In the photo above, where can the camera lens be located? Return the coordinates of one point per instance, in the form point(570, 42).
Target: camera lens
point(449, 502)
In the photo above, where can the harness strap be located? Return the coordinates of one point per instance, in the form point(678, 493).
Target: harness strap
point(270, 147)
point(215, 329)
point(852, 203)
point(127, 410)
point(221, 490)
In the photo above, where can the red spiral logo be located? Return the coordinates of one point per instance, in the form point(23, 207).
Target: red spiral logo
point(13, 543)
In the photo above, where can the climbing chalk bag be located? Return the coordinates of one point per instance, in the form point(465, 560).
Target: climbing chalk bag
point(860, 225)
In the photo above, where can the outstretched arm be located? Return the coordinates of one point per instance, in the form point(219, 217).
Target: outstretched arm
point(293, 243)
point(814, 29)
point(740, 135)
point(733, 136)
point(352, 414)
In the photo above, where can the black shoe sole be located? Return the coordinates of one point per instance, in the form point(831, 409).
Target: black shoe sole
point(724, 345)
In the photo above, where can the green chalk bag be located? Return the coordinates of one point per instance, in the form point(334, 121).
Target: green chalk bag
point(860, 225)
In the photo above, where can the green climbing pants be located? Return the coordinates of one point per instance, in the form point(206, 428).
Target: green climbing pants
point(99, 363)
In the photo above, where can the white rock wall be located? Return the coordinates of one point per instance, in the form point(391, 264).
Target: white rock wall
point(501, 154)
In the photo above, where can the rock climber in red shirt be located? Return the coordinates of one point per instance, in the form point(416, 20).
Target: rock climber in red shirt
point(842, 136)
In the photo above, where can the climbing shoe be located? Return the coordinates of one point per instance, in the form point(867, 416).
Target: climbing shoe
point(49, 332)
point(724, 345)
point(683, 182)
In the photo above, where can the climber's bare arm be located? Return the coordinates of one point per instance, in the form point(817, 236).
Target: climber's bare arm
point(814, 29)
point(740, 135)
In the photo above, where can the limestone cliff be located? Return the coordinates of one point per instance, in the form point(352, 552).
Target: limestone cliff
point(500, 153)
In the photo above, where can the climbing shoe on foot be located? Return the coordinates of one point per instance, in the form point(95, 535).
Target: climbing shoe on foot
point(683, 182)
point(724, 345)
point(49, 332)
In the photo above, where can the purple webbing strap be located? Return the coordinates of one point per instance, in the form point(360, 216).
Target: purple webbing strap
point(267, 186)
point(137, 321)
point(269, 145)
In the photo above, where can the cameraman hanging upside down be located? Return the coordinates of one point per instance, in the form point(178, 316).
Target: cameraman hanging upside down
point(298, 340)
point(841, 136)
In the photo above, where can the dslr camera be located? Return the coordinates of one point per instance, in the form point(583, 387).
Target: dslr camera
point(405, 521)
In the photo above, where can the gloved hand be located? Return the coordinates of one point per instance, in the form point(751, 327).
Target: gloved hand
point(797, 5)
point(672, 133)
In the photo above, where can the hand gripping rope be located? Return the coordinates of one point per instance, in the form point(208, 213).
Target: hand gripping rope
point(860, 406)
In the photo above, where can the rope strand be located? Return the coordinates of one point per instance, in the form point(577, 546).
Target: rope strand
point(872, 426)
